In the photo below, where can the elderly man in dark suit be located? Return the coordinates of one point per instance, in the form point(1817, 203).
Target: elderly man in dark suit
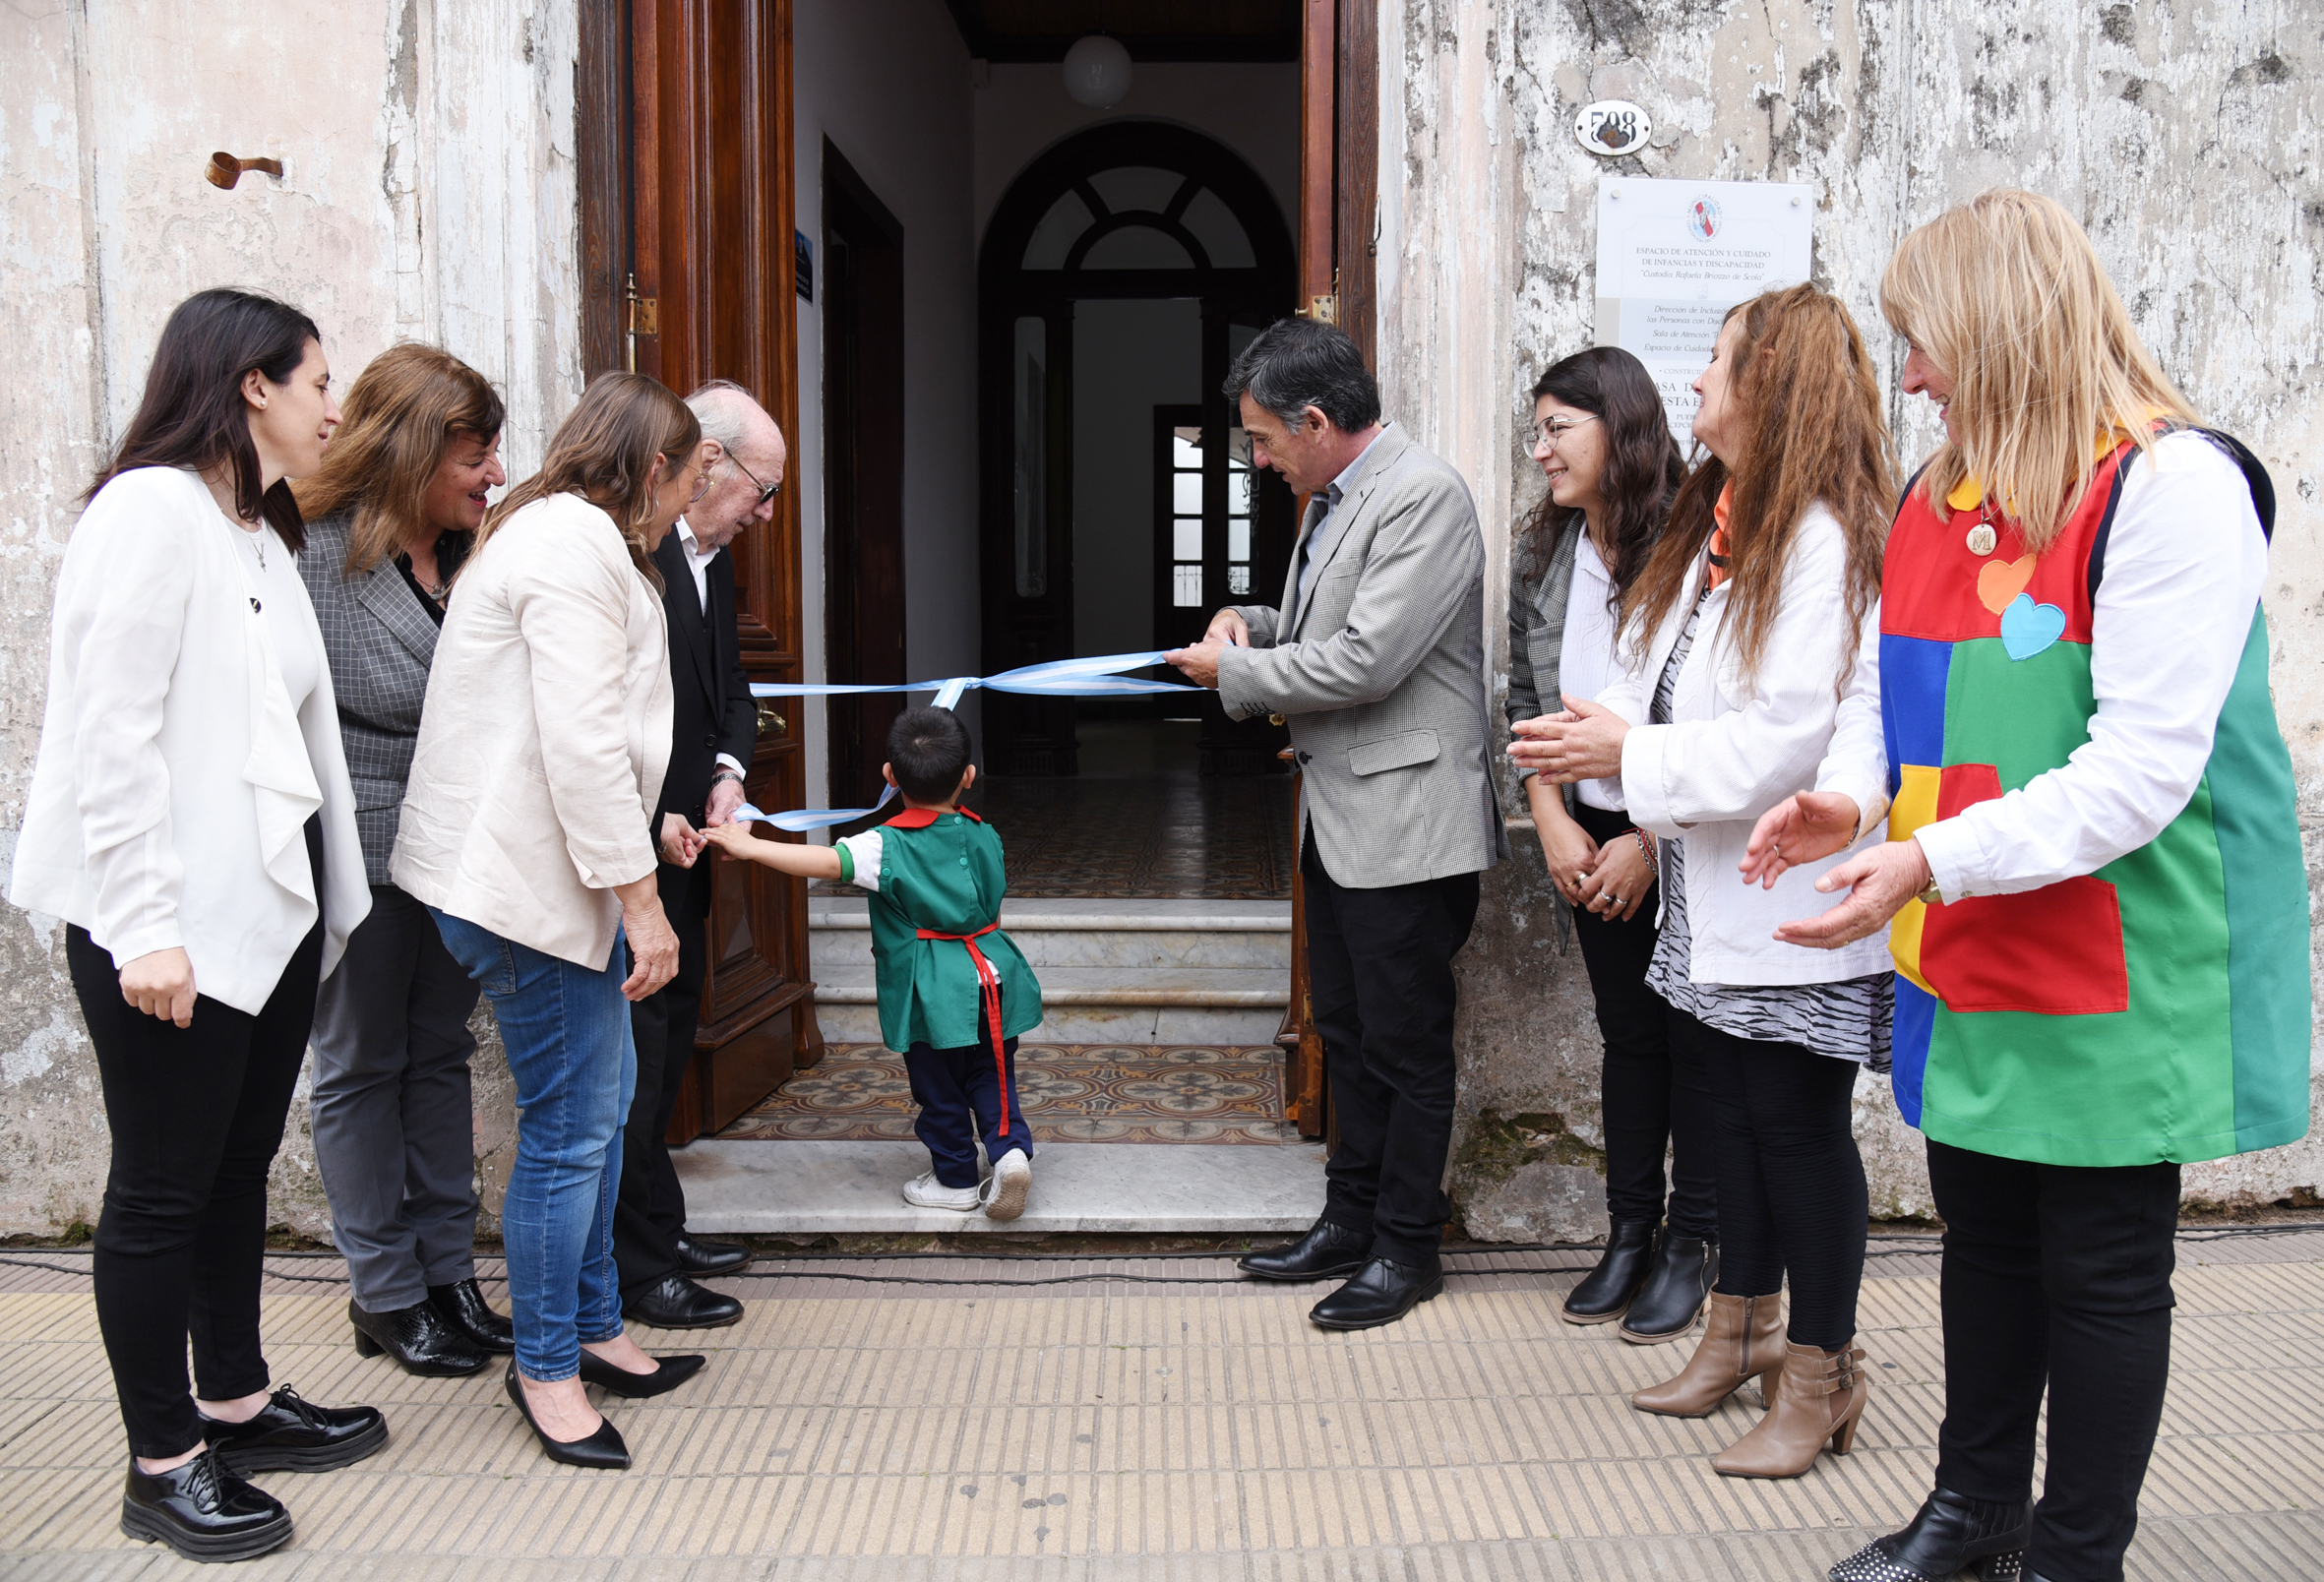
point(715, 731)
point(1375, 657)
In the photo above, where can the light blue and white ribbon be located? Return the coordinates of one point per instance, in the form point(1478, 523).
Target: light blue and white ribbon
point(1100, 676)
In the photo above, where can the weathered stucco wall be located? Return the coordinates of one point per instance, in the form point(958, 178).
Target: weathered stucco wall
point(428, 193)
point(2185, 136)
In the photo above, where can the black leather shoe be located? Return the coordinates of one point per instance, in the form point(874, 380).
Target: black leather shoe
point(1950, 1534)
point(677, 1303)
point(673, 1372)
point(419, 1338)
point(203, 1511)
point(290, 1434)
point(465, 1307)
point(1679, 1282)
point(603, 1450)
point(1383, 1292)
point(1604, 1293)
point(701, 1258)
point(1328, 1251)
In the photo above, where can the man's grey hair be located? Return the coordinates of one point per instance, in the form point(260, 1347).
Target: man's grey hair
point(719, 406)
point(1298, 363)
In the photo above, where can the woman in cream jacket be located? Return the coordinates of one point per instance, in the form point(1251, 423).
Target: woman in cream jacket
point(190, 821)
point(524, 831)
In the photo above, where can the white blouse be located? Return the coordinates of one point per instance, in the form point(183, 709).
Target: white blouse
point(1586, 660)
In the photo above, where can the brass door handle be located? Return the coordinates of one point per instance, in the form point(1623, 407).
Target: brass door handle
point(769, 720)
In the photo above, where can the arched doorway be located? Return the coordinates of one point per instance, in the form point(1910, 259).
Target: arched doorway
point(1123, 214)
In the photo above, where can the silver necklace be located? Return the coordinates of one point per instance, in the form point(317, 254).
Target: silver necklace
point(258, 542)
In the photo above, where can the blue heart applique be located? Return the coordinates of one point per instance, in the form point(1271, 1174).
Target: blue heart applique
point(2028, 628)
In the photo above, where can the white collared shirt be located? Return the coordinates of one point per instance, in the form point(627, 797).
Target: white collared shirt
point(698, 562)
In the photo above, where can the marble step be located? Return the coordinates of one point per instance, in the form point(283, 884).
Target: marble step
point(840, 1189)
point(1254, 936)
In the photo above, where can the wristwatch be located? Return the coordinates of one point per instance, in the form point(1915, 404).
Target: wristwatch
point(1928, 895)
point(724, 772)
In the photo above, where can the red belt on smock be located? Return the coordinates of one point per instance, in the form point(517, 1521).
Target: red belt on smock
point(988, 977)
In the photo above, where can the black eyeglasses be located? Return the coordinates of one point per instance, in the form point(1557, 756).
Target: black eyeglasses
point(766, 491)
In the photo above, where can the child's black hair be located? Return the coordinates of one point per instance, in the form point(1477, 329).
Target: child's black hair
point(928, 748)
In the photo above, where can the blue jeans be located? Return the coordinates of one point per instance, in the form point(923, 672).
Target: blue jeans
point(567, 1030)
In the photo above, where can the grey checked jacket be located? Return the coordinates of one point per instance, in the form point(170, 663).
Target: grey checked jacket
point(381, 643)
point(1380, 675)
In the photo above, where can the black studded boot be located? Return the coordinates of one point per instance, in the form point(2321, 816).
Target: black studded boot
point(1951, 1534)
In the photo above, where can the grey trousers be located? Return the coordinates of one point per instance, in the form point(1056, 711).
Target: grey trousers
point(394, 1134)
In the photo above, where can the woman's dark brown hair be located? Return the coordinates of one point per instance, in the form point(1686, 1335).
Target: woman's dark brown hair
point(192, 413)
point(1643, 467)
point(626, 435)
point(1808, 404)
point(410, 406)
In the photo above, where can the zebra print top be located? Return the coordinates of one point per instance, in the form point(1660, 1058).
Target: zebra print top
point(1849, 1020)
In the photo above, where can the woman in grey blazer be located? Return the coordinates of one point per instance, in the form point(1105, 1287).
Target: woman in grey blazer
point(391, 515)
point(1604, 446)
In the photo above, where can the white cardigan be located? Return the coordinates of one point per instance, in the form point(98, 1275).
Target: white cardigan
point(174, 781)
point(544, 738)
point(1732, 750)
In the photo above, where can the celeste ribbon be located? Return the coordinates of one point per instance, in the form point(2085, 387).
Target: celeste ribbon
point(1100, 676)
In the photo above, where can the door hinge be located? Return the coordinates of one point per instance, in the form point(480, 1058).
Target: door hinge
point(1323, 309)
point(646, 319)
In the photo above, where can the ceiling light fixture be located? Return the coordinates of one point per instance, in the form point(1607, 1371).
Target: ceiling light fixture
point(1098, 72)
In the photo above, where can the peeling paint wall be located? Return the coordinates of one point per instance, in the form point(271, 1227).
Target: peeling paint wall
point(2184, 136)
point(428, 193)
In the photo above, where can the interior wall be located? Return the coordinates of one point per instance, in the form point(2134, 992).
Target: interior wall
point(1253, 109)
point(1128, 358)
point(888, 81)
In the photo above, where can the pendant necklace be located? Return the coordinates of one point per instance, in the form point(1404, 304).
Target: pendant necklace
point(1983, 538)
point(258, 541)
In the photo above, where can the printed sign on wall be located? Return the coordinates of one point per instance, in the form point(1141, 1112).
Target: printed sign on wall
point(1673, 256)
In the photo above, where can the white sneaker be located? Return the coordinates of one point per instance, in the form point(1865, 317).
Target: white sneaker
point(925, 1192)
point(1013, 1180)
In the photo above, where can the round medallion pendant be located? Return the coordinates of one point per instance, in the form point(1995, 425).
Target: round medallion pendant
point(1981, 539)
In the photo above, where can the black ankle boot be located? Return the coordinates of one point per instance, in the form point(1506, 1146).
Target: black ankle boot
point(1678, 1284)
point(1606, 1291)
point(1951, 1534)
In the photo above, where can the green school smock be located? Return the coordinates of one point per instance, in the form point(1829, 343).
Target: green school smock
point(942, 872)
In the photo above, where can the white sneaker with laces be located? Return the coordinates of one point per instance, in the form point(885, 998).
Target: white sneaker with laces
point(926, 1192)
point(1006, 1193)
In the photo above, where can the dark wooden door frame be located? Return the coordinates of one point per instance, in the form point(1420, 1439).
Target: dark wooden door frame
point(685, 176)
point(863, 353)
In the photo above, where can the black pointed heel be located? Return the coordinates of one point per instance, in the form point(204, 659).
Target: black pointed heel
point(603, 1450)
point(673, 1372)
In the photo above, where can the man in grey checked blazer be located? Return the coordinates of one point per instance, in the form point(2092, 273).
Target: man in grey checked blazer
point(1375, 659)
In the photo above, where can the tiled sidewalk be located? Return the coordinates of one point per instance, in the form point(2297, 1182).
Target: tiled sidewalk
point(1153, 1419)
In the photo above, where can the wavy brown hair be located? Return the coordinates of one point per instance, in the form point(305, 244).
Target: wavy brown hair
point(627, 434)
point(1804, 389)
point(410, 406)
point(1643, 467)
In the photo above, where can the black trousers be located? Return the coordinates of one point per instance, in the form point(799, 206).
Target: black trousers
point(196, 1115)
point(1792, 1198)
point(2056, 1277)
point(649, 1214)
point(1655, 1098)
point(1379, 975)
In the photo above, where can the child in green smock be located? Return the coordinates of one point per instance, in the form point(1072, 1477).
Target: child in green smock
point(955, 993)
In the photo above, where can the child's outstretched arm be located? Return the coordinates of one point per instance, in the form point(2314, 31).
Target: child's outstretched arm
point(804, 861)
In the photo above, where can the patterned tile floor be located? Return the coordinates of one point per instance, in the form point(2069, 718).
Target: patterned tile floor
point(1071, 1093)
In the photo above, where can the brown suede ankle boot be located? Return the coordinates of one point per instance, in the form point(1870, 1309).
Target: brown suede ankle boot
point(1818, 1399)
point(1742, 1340)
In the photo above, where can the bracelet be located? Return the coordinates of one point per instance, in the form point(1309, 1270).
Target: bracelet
point(1645, 848)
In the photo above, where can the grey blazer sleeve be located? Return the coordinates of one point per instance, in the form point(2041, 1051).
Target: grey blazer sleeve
point(1537, 631)
point(1263, 620)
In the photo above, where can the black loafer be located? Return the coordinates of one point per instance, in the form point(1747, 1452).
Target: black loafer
point(701, 1258)
point(673, 1372)
point(203, 1511)
point(677, 1303)
point(1328, 1251)
point(1679, 1282)
point(1606, 1291)
point(419, 1338)
point(290, 1434)
point(604, 1450)
point(1949, 1535)
point(464, 1306)
point(1383, 1292)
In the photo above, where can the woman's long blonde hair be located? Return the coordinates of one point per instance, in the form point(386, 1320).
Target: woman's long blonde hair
point(2007, 294)
point(410, 405)
point(1804, 393)
point(626, 435)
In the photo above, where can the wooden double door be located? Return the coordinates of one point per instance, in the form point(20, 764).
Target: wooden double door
point(688, 273)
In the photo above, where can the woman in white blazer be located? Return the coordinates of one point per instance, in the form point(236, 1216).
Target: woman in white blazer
point(524, 831)
point(1744, 624)
point(190, 821)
